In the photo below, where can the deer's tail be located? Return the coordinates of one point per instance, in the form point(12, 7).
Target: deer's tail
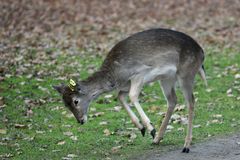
point(203, 75)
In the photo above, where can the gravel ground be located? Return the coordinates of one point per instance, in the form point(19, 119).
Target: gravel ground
point(225, 148)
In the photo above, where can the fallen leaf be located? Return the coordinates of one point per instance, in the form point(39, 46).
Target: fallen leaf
point(103, 123)
point(61, 143)
point(180, 129)
point(229, 91)
point(64, 112)
point(153, 109)
point(3, 106)
point(216, 121)
point(6, 155)
point(175, 117)
point(116, 149)
point(133, 136)
point(67, 133)
point(2, 78)
point(20, 126)
point(29, 112)
point(67, 125)
point(74, 138)
point(107, 132)
point(209, 90)
point(169, 127)
point(108, 96)
point(69, 115)
point(179, 108)
point(133, 129)
point(29, 138)
point(237, 76)
point(92, 109)
point(3, 131)
point(1, 101)
point(217, 116)
point(161, 114)
point(40, 132)
point(197, 126)
point(3, 144)
point(56, 108)
point(72, 155)
point(184, 120)
point(117, 108)
point(98, 114)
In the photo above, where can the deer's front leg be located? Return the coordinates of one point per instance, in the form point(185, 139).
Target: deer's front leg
point(136, 86)
point(122, 97)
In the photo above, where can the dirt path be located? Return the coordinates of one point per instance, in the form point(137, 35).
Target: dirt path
point(227, 148)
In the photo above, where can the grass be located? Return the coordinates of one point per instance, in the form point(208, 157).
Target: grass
point(43, 134)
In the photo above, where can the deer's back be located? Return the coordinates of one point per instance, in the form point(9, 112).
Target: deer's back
point(154, 48)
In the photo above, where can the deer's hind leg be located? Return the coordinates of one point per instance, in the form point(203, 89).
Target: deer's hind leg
point(186, 84)
point(168, 89)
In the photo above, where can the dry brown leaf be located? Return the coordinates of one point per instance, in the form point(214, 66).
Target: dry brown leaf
point(40, 132)
point(74, 138)
point(133, 136)
point(153, 109)
point(161, 114)
point(197, 126)
point(237, 76)
point(169, 127)
point(116, 149)
point(179, 108)
point(108, 96)
point(107, 132)
point(3, 131)
point(69, 115)
point(117, 108)
point(68, 133)
point(217, 116)
point(20, 125)
point(98, 114)
point(61, 143)
point(29, 112)
point(1, 101)
point(181, 129)
point(72, 155)
point(103, 123)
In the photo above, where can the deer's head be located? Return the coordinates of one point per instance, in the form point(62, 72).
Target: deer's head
point(76, 98)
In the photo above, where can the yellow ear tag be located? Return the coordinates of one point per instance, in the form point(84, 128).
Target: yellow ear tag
point(71, 84)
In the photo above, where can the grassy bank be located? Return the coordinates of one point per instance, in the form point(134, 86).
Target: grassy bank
point(36, 125)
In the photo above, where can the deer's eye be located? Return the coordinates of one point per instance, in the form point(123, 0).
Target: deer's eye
point(75, 102)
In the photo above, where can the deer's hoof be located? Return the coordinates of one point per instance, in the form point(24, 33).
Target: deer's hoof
point(153, 133)
point(155, 143)
point(143, 130)
point(185, 150)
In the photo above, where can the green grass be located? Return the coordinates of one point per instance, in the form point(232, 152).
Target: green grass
point(41, 133)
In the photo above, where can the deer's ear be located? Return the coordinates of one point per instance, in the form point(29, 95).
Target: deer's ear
point(59, 88)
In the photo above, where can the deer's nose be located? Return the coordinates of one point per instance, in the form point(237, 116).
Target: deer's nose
point(75, 102)
point(81, 121)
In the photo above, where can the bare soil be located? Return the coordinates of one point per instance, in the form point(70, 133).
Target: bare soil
point(224, 148)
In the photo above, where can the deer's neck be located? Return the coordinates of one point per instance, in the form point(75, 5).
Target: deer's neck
point(100, 82)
